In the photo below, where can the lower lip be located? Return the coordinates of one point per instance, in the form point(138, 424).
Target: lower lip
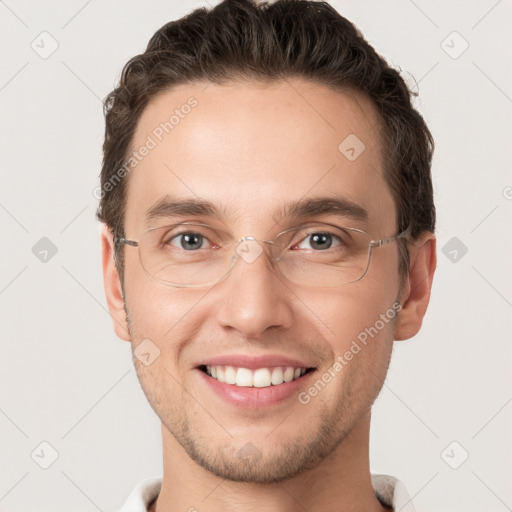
point(252, 397)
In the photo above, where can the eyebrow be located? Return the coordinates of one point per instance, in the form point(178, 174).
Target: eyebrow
point(169, 206)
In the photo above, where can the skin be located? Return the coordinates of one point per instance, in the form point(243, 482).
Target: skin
point(252, 147)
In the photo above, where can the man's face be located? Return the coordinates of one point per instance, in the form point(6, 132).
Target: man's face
point(251, 149)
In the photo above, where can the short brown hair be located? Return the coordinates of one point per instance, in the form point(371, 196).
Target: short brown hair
point(249, 40)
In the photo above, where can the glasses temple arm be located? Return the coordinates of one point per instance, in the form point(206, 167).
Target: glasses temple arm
point(125, 241)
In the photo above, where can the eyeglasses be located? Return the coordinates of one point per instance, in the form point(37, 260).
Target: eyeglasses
point(196, 255)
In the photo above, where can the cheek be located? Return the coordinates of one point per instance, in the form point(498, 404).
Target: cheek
point(363, 323)
point(160, 322)
point(148, 315)
point(347, 313)
point(168, 317)
point(361, 320)
point(154, 308)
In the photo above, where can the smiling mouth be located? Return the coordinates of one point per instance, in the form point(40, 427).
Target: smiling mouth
point(258, 377)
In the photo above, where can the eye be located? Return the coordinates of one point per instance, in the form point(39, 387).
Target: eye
point(188, 241)
point(320, 241)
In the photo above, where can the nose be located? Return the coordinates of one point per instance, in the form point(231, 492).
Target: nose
point(255, 296)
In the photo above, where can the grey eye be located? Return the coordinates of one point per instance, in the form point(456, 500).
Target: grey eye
point(319, 241)
point(188, 241)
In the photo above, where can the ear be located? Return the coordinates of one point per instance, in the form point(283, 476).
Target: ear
point(112, 284)
point(417, 287)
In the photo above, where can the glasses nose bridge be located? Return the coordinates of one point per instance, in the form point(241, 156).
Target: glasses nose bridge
point(249, 248)
point(253, 238)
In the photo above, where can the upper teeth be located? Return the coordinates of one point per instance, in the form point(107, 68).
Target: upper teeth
point(259, 378)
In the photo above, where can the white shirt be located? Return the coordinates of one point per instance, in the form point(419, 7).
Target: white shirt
point(389, 490)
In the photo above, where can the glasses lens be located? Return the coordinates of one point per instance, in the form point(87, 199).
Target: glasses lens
point(324, 255)
point(185, 254)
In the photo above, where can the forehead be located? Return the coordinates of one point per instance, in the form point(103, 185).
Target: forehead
point(250, 148)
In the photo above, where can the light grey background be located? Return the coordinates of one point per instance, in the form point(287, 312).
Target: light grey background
point(68, 381)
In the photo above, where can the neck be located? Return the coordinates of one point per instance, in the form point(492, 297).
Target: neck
point(340, 482)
